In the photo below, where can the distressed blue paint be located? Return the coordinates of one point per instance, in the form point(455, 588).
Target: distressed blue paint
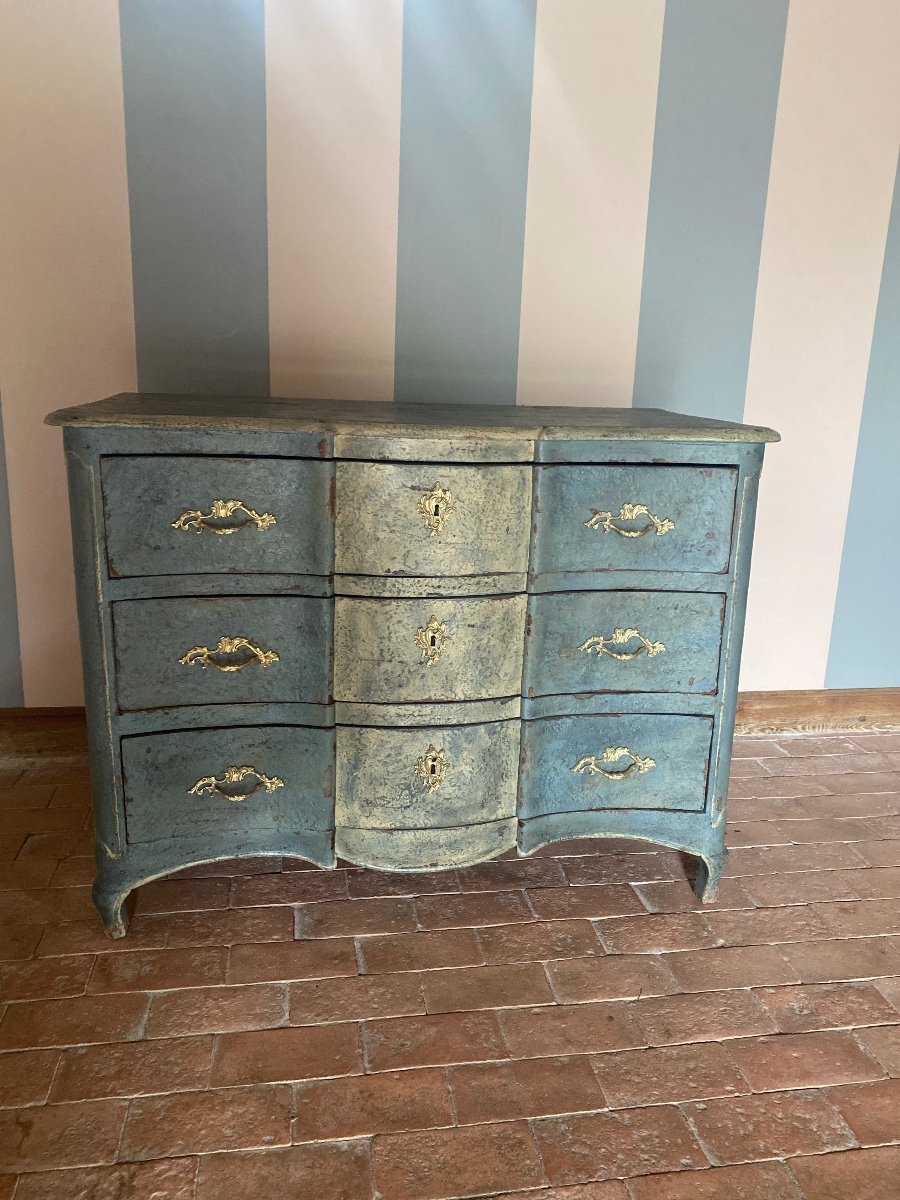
point(864, 650)
point(195, 131)
point(11, 693)
point(464, 136)
point(715, 118)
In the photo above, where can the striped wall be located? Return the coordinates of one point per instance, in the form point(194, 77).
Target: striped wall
point(689, 204)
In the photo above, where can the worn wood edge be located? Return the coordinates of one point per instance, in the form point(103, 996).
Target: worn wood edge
point(818, 711)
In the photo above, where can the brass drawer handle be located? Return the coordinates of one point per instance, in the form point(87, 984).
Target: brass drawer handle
point(432, 640)
point(223, 510)
point(594, 765)
point(621, 637)
point(226, 645)
point(215, 786)
point(434, 508)
point(432, 767)
point(630, 512)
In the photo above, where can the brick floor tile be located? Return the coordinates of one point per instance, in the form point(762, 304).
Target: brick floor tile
point(872, 1110)
point(656, 932)
point(472, 909)
point(216, 1009)
point(87, 937)
point(750, 768)
point(217, 928)
point(290, 887)
point(749, 745)
point(608, 1189)
point(133, 1069)
point(787, 787)
point(807, 745)
point(802, 1060)
point(826, 764)
point(294, 1171)
point(182, 895)
point(701, 1017)
point(679, 896)
point(79, 869)
point(508, 985)
point(261, 962)
point(80, 1019)
point(865, 804)
point(60, 1135)
point(771, 860)
point(25, 1077)
point(890, 989)
point(158, 970)
point(748, 1181)
point(879, 854)
point(764, 926)
point(19, 941)
point(854, 783)
point(22, 798)
point(395, 883)
point(884, 1042)
point(876, 883)
point(472, 1160)
point(773, 1125)
point(45, 978)
point(613, 977)
point(807, 887)
point(864, 1173)
point(754, 833)
point(853, 958)
point(29, 873)
point(390, 1102)
point(438, 948)
point(285, 1055)
point(355, 999)
point(570, 1029)
point(527, 1087)
point(44, 906)
point(349, 918)
point(431, 1041)
point(203, 1122)
point(670, 1074)
point(595, 900)
point(615, 1144)
point(165, 1179)
point(538, 942)
point(825, 1006)
point(729, 967)
point(623, 868)
point(512, 872)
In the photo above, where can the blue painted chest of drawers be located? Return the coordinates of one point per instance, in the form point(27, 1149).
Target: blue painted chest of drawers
point(409, 637)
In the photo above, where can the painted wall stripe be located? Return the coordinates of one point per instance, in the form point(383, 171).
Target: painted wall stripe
point(865, 649)
point(833, 166)
point(11, 692)
point(592, 119)
point(333, 127)
point(465, 117)
point(194, 82)
point(718, 92)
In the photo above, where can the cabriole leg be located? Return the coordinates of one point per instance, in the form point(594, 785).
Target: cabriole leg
point(711, 870)
point(111, 907)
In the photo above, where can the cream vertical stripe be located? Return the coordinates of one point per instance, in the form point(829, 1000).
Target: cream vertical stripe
point(833, 164)
point(333, 70)
point(66, 317)
point(592, 119)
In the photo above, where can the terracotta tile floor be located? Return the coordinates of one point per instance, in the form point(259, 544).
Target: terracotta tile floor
point(567, 1027)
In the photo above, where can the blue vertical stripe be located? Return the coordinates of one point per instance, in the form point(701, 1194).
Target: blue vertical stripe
point(11, 695)
point(865, 647)
point(464, 135)
point(715, 119)
point(195, 133)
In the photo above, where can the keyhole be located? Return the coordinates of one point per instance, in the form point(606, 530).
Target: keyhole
point(433, 768)
point(433, 640)
point(437, 510)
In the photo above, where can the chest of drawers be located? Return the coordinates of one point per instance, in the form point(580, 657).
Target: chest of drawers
point(408, 637)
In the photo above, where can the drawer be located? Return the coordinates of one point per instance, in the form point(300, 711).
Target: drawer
point(623, 642)
point(392, 651)
point(195, 516)
point(634, 518)
point(431, 519)
point(570, 764)
point(223, 782)
point(428, 777)
point(221, 650)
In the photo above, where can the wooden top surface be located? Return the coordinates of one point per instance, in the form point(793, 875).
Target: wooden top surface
point(403, 420)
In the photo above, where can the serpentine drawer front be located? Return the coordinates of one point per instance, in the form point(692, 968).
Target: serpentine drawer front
point(410, 637)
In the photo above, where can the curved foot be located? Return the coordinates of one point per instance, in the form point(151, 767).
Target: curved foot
point(711, 870)
point(111, 907)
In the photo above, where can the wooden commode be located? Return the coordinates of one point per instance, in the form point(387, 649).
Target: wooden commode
point(409, 637)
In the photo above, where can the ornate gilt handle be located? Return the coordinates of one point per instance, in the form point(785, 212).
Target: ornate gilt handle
point(621, 637)
point(595, 766)
point(223, 510)
point(434, 508)
point(432, 767)
point(630, 512)
point(215, 786)
point(226, 645)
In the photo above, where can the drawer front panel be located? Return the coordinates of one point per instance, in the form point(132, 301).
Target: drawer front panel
point(571, 764)
point(634, 518)
point(167, 515)
point(425, 849)
point(581, 642)
point(229, 650)
point(179, 784)
point(391, 651)
point(417, 778)
point(431, 520)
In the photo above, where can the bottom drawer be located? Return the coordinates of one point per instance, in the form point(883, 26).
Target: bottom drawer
point(571, 764)
point(222, 781)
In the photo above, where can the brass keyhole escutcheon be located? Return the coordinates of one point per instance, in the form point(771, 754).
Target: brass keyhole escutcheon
point(431, 767)
point(435, 508)
point(431, 640)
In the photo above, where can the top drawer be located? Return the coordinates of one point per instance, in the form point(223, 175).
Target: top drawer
point(634, 518)
point(208, 515)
